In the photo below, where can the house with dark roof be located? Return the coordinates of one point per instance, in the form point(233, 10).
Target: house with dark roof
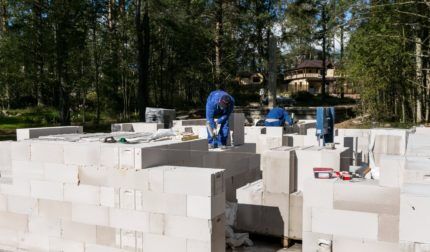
point(249, 78)
point(307, 76)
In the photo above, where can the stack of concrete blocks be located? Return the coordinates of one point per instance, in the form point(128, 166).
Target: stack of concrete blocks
point(240, 168)
point(338, 159)
point(137, 127)
point(198, 127)
point(301, 127)
point(160, 115)
point(264, 206)
point(30, 133)
point(387, 142)
point(97, 197)
point(358, 142)
point(411, 173)
point(360, 216)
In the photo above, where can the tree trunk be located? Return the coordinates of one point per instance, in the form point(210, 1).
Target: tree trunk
point(143, 32)
point(324, 47)
point(219, 33)
point(3, 16)
point(272, 72)
point(419, 77)
point(38, 59)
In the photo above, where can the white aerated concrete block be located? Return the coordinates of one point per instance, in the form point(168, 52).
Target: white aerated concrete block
point(193, 181)
point(279, 169)
point(21, 151)
point(147, 127)
point(414, 221)
point(13, 221)
point(51, 152)
point(311, 157)
point(100, 248)
point(205, 207)
point(340, 222)
point(44, 226)
point(33, 242)
point(107, 196)
point(82, 153)
point(129, 219)
point(366, 196)
point(89, 214)
point(61, 173)
point(109, 156)
point(163, 243)
point(391, 169)
point(19, 187)
point(296, 216)
point(166, 203)
point(5, 155)
point(78, 232)
point(251, 194)
point(194, 228)
point(21, 205)
point(56, 244)
point(27, 170)
point(47, 190)
point(55, 209)
point(341, 243)
point(29, 133)
point(86, 194)
point(106, 236)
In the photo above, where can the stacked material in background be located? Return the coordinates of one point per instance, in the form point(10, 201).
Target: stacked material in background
point(91, 196)
point(198, 127)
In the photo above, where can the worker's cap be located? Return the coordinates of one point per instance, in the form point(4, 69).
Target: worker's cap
point(224, 101)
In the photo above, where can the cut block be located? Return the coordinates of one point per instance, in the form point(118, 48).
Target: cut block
point(106, 236)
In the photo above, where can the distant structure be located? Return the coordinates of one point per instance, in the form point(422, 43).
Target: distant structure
point(307, 76)
point(249, 78)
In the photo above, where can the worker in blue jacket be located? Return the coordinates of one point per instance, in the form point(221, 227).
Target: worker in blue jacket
point(219, 104)
point(278, 117)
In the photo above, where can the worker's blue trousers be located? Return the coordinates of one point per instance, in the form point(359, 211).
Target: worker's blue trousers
point(223, 135)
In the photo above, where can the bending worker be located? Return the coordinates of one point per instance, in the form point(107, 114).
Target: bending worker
point(278, 117)
point(219, 104)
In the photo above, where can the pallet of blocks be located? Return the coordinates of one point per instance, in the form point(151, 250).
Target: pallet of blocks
point(93, 196)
